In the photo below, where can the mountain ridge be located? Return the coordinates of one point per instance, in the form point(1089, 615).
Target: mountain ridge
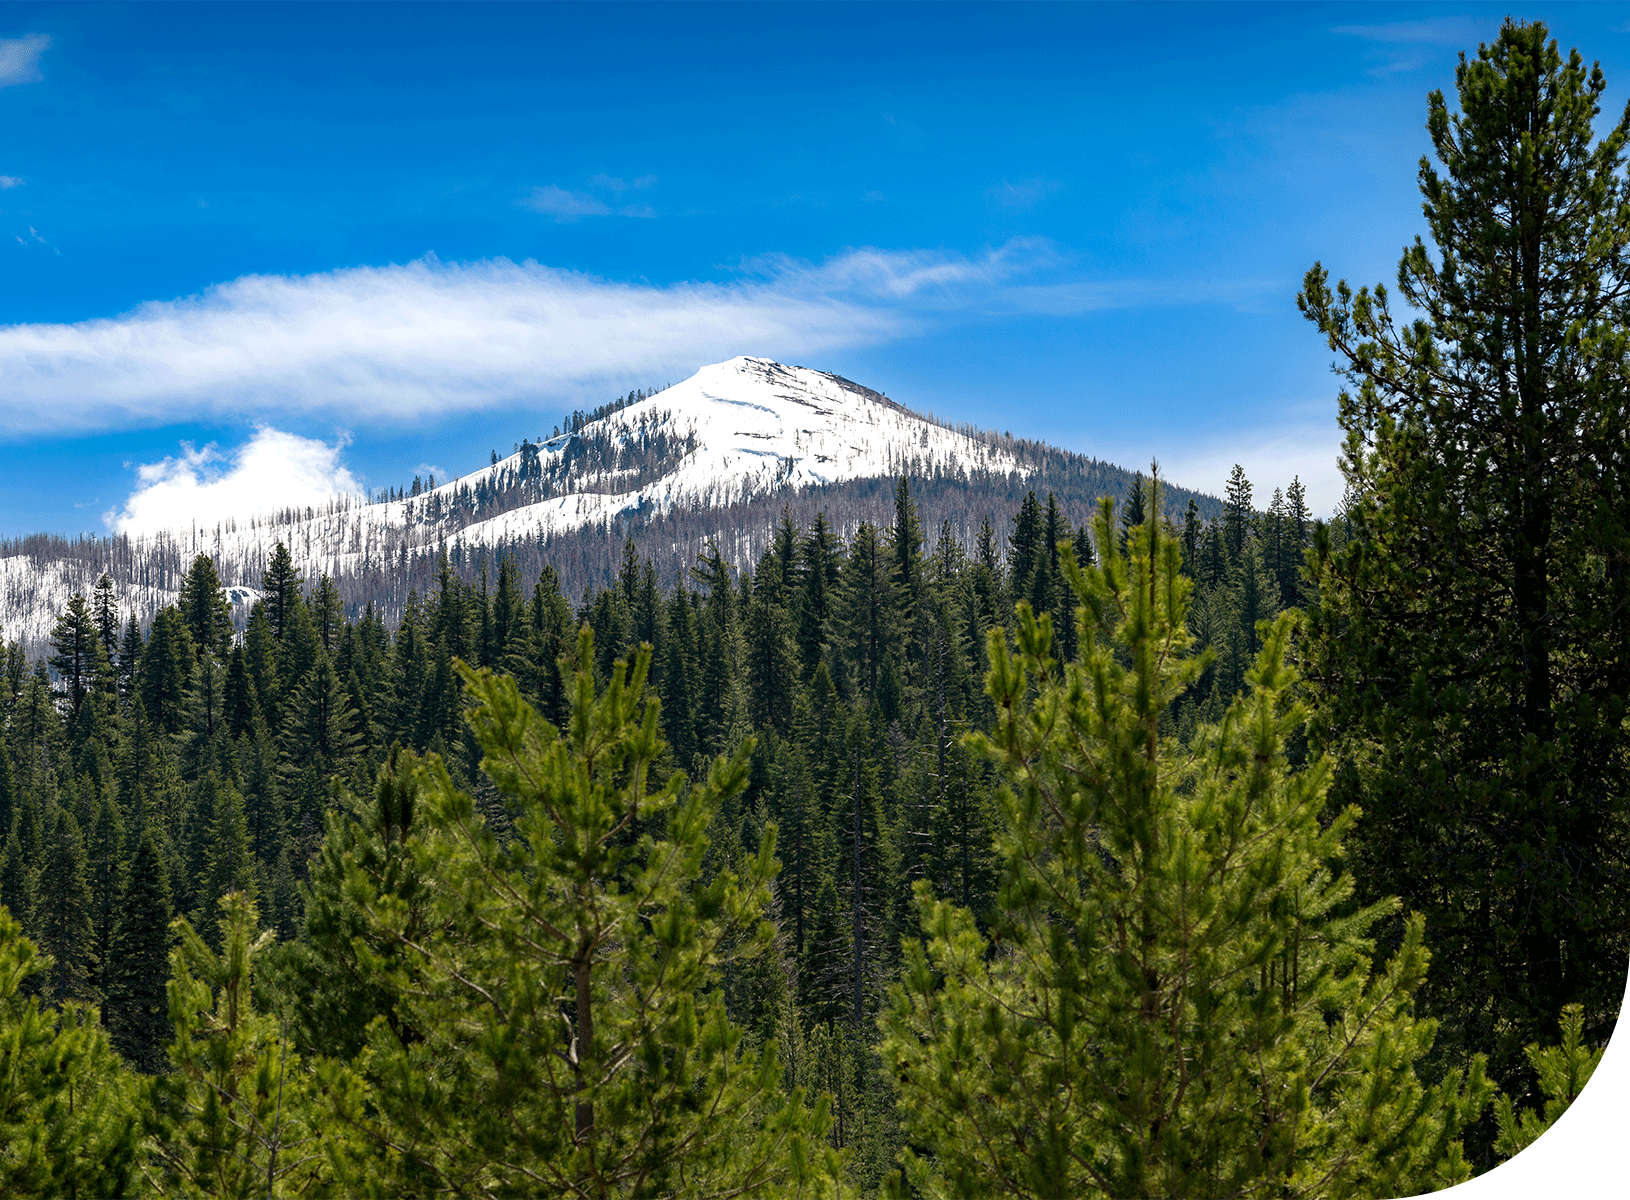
point(718, 456)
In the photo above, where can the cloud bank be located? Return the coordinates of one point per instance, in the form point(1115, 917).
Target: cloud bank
point(376, 344)
point(274, 470)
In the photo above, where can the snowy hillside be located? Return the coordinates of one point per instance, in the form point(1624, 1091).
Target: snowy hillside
point(733, 433)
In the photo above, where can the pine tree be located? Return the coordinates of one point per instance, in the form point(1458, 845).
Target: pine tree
point(866, 624)
point(1470, 655)
point(1562, 1072)
point(819, 572)
point(107, 869)
point(227, 865)
point(327, 613)
point(1191, 537)
point(639, 1085)
point(342, 972)
point(1024, 546)
point(1174, 945)
point(68, 1113)
point(1297, 524)
point(235, 1117)
point(130, 648)
point(1132, 515)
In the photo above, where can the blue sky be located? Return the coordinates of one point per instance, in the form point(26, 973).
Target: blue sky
point(303, 247)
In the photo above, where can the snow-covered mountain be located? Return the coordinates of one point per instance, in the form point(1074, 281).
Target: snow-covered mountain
point(719, 455)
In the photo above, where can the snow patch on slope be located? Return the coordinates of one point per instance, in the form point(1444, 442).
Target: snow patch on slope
point(732, 432)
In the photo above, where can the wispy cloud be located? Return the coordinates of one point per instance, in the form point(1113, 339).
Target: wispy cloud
point(272, 471)
point(1401, 46)
point(431, 338)
point(1429, 31)
point(1023, 193)
point(616, 183)
point(427, 337)
point(35, 238)
point(604, 197)
point(20, 58)
point(10, 181)
point(910, 274)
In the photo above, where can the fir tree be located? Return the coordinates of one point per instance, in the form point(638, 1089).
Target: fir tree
point(65, 921)
point(204, 608)
point(105, 612)
point(138, 962)
point(77, 655)
point(1236, 512)
point(164, 675)
point(281, 585)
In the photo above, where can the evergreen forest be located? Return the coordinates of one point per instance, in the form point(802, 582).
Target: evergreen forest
point(1177, 853)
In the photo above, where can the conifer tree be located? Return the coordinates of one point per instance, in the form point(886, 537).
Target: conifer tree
point(77, 654)
point(638, 1084)
point(235, 1116)
point(1132, 515)
point(1024, 546)
point(1561, 1071)
point(137, 968)
point(1298, 523)
point(281, 584)
point(64, 915)
point(866, 620)
point(342, 973)
point(1236, 512)
point(130, 648)
point(105, 612)
point(107, 867)
point(819, 573)
point(1176, 997)
point(1469, 648)
point(204, 608)
point(227, 865)
point(68, 1123)
point(164, 674)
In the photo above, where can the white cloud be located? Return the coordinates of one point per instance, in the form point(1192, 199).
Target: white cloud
point(1429, 31)
point(565, 205)
point(10, 181)
point(388, 343)
point(897, 275)
point(274, 470)
point(33, 238)
point(371, 345)
point(616, 183)
point(374, 344)
point(1023, 193)
point(20, 58)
